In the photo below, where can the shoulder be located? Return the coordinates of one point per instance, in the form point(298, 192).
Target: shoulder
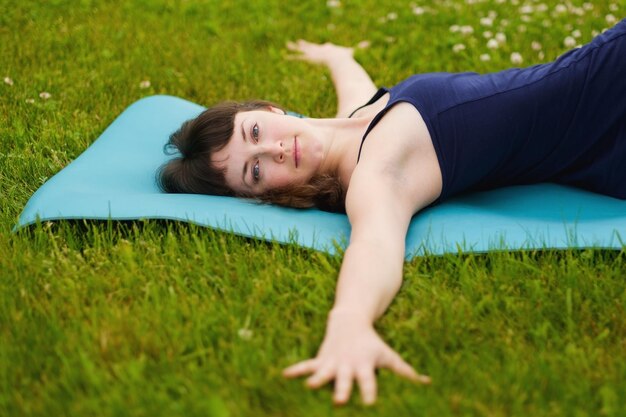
point(398, 160)
point(401, 136)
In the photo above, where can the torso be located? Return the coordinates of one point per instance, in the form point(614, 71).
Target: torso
point(561, 122)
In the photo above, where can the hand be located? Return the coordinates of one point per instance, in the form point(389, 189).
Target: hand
point(319, 53)
point(352, 350)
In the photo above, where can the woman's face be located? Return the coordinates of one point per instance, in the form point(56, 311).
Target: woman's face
point(269, 150)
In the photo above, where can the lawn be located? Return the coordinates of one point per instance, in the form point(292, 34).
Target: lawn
point(155, 318)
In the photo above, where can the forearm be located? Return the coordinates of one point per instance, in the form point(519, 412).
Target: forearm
point(352, 83)
point(352, 350)
point(370, 277)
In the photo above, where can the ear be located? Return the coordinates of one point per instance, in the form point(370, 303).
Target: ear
point(277, 110)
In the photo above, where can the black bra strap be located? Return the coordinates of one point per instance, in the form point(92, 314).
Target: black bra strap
point(381, 92)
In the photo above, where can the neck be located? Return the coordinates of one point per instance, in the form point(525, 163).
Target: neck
point(341, 138)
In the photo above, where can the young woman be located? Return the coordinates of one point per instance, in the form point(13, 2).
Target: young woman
point(424, 140)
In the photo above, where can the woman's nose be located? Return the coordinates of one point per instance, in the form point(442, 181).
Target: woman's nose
point(276, 151)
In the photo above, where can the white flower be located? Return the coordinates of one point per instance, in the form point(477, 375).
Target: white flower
point(521, 28)
point(613, 7)
point(535, 45)
point(390, 39)
point(418, 11)
point(8, 81)
point(487, 34)
point(594, 33)
point(569, 42)
point(458, 48)
point(363, 44)
point(144, 84)
point(500, 37)
point(560, 8)
point(486, 21)
point(492, 14)
point(45, 95)
point(588, 6)
point(516, 58)
point(333, 3)
point(455, 28)
point(467, 30)
point(542, 7)
point(492, 44)
point(576, 33)
point(541, 55)
point(245, 334)
point(610, 19)
point(485, 57)
point(392, 16)
point(525, 18)
point(526, 9)
point(30, 100)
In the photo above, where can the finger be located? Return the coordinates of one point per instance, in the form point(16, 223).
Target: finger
point(300, 368)
point(321, 377)
point(302, 44)
point(343, 386)
point(367, 385)
point(395, 363)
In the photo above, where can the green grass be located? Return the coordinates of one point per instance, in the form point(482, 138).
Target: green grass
point(153, 318)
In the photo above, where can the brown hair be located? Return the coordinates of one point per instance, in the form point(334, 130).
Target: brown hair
point(191, 172)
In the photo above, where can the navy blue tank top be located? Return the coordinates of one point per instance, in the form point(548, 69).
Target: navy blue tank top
point(562, 122)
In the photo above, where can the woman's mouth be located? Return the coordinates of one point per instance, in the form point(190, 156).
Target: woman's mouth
point(296, 153)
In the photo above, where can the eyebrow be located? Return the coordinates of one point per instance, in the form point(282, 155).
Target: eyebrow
point(245, 164)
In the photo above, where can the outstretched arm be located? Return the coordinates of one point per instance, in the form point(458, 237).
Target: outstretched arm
point(352, 84)
point(370, 276)
point(385, 191)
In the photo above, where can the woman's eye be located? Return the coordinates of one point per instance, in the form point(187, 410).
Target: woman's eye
point(256, 172)
point(255, 132)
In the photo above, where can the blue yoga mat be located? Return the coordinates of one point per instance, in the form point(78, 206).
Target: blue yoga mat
point(115, 179)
